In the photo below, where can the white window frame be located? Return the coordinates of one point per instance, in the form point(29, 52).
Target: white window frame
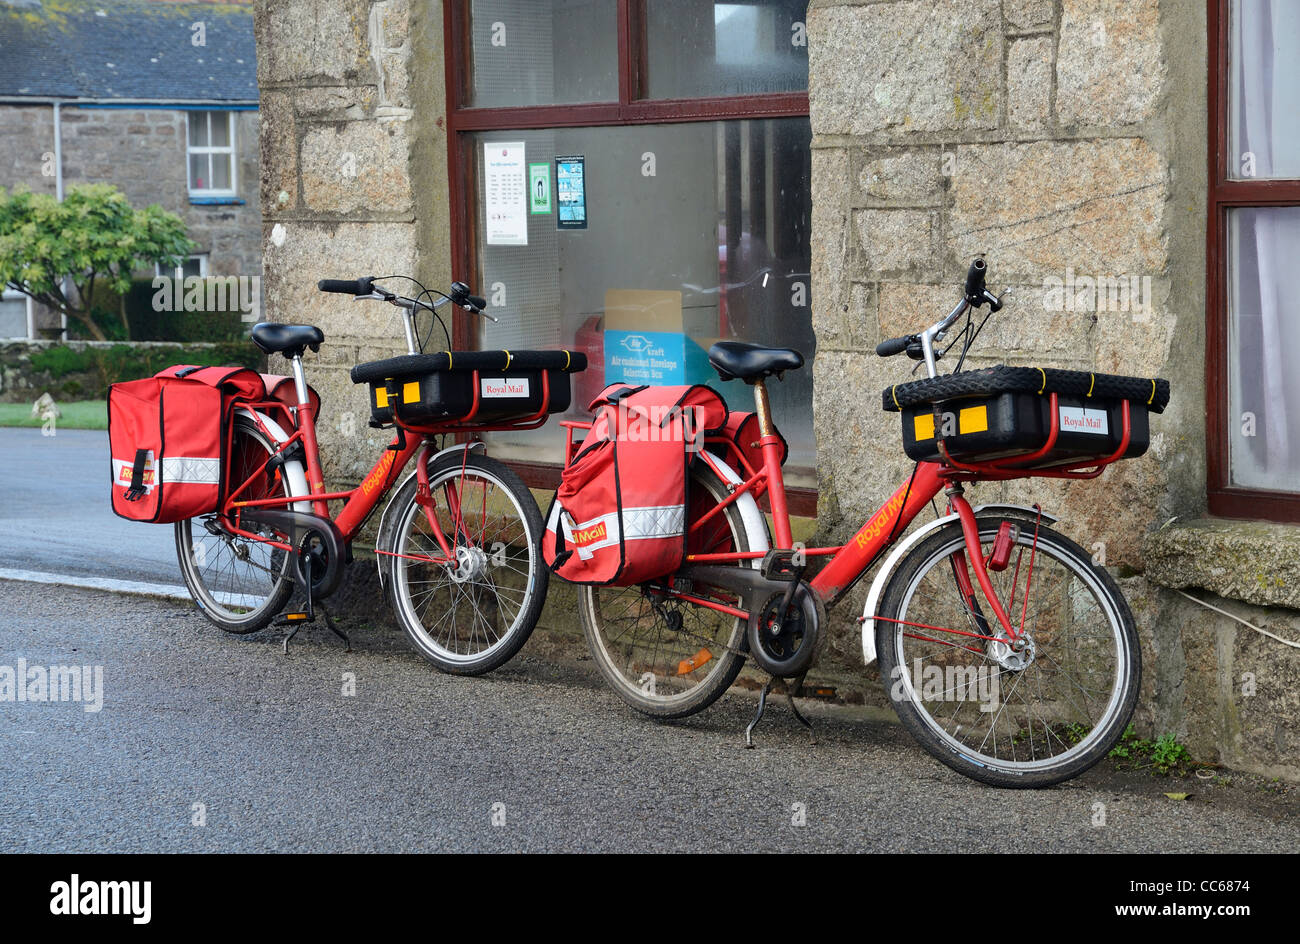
point(178, 272)
point(209, 150)
point(9, 294)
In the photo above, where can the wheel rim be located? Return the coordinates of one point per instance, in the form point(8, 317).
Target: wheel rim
point(234, 578)
point(636, 643)
point(1045, 715)
point(463, 613)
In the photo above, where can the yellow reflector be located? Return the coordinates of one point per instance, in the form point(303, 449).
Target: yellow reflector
point(924, 426)
point(381, 397)
point(295, 616)
point(687, 666)
point(973, 419)
point(411, 392)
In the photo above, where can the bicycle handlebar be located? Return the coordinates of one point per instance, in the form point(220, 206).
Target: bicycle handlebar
point(894, 345)
point(363, 286)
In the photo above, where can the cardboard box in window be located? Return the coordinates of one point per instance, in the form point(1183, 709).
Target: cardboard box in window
point(648, 341)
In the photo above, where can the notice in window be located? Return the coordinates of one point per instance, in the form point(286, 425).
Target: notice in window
point(505, 186)
point(539, 189)
point(571, 192)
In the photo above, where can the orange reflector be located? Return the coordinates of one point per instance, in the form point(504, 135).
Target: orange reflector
point(295, 616)
point(687, 666)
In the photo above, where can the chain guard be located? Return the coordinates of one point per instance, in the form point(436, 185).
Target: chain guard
point(791, 652)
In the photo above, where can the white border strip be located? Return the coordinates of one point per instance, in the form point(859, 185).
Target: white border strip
point(97, 583)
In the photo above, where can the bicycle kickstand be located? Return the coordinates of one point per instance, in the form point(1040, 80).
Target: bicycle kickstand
point(758, 716)
point(791, 686)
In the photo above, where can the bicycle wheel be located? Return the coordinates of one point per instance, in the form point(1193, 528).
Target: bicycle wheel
point(470, 616)
point(238, 584)
point(1026, 717)
point(666, 657)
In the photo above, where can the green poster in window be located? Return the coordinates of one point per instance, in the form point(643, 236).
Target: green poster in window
point(539, 188)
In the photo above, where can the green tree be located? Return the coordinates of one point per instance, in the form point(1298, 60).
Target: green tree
point(94, 235)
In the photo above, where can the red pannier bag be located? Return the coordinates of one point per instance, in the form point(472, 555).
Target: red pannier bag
point(619, 515)
point(741, 449)
point(167, 439)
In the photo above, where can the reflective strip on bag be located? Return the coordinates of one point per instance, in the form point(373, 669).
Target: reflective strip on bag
point(657, 521)
point(191, 470)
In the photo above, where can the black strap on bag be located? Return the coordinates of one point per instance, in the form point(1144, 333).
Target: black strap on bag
point(136, 491)
point(561, 555)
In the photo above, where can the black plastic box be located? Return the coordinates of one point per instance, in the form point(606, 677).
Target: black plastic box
point(448, 395)
point(979, 429)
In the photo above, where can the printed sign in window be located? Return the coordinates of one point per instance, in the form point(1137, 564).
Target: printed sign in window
point(571, 192)
point(539, 189)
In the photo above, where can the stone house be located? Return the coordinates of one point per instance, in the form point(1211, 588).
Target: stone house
point(159, 99)
point(819, 175)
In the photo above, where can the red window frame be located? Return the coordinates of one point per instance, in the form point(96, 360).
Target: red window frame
point(1224, 498)
point(632, 108)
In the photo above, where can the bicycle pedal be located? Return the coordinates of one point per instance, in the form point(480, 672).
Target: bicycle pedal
point(291, 618)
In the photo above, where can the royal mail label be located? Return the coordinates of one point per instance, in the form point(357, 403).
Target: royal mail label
point(1079, 419)
point(490, 387)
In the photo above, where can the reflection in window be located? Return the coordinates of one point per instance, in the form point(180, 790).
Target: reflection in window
point(697, 48)
point(543, 52)
point(713, 244)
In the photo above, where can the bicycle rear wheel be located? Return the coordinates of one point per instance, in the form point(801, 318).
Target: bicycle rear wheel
point(668, 657)
point(238, 583)
point(1012, 718)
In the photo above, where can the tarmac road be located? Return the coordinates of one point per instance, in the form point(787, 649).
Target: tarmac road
point(280, 758)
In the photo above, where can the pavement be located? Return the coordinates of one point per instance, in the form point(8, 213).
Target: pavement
point(55, 517)
point(206, 742)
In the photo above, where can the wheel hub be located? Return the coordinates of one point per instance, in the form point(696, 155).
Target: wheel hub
point(1015, 656)
point(471, 562)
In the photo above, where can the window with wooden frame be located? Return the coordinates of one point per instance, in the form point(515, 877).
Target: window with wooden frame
point(1252, 243)
point(667, 142)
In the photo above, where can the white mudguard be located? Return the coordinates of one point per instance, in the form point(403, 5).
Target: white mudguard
point(754, 522)
point(295, 476)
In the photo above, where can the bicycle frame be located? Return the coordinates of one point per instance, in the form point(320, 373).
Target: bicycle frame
point(848, 562)
point(359, 502)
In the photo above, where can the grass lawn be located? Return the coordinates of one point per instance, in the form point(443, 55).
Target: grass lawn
point(81, 414)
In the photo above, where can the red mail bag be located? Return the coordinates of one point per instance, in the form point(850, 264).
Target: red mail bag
point(619, 515)
point(167, 438)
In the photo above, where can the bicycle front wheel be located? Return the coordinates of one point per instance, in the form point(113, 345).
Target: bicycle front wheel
point(469, 612)
point(1030, 714)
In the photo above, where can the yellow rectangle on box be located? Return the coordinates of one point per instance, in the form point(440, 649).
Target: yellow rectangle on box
point(973, 419)
point(924, 426)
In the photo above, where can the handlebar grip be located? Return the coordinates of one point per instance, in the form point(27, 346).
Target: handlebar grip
point(347, 286)
point(893, 346)
point(476, 301)
point(975, 282)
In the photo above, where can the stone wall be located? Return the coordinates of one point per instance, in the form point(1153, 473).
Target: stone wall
point(354, 183)
point(1062, 139)
point(142, 152)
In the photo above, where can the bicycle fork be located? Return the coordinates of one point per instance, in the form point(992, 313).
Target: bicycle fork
point(974, 559)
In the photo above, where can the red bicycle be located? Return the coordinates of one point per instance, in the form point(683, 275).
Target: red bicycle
point(457, 544)
point(1006, 651)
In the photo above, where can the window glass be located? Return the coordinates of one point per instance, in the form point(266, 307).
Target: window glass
point(1264, 330)
point(199, 177)
point(543, 52)
point(13, 315)
point(198, 129)
point(698, 48)
point(1264, 83)
point(693, 233)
